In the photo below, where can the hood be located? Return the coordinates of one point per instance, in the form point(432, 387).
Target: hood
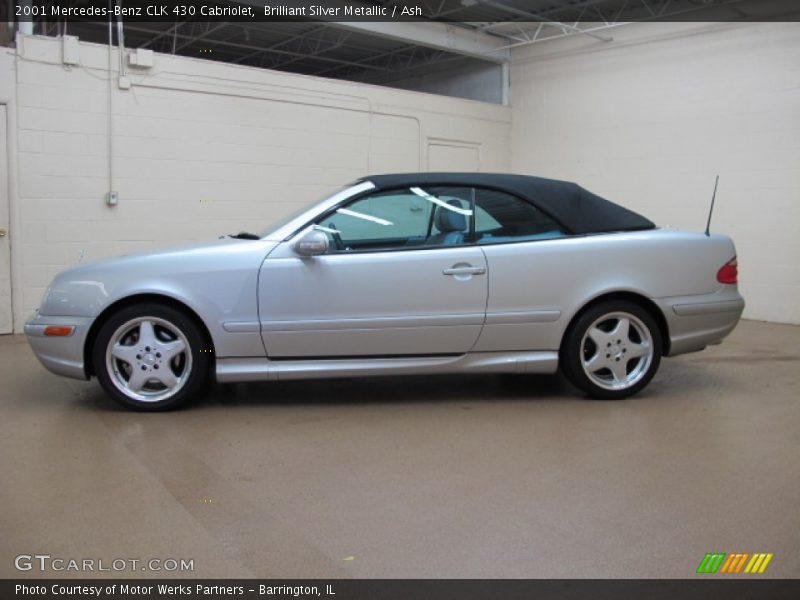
point(176, 251)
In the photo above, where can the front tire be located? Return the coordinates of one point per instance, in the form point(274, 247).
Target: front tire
point(150, 357)
point(612, 351)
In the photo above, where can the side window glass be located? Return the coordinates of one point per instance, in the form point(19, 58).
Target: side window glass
point(452, 213)
point(501, 217)
point(400, 219)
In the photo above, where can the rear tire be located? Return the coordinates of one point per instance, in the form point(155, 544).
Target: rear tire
point(612, 351)
point(151, 357)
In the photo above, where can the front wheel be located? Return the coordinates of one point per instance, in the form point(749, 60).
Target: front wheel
point(612, 351)
point(150, 357)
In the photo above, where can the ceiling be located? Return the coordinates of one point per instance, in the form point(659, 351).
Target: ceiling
point(449, 31)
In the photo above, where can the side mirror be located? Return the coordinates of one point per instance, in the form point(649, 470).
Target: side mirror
point(312, 243)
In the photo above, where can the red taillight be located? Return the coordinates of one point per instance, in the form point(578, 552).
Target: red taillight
point(728, 272)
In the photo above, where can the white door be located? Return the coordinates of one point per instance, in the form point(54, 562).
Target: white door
point(453, 156)
point(5, 243)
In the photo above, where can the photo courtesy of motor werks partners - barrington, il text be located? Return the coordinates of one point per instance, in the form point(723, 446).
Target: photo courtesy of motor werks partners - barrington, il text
point(166, 590)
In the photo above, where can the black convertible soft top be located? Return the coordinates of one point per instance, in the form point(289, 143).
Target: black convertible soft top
point(575, 208)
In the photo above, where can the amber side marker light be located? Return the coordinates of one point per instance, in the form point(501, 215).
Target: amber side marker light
point(58, 330)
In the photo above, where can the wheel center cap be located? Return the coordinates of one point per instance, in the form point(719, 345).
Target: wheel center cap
point(618, 353)
point(150, 359)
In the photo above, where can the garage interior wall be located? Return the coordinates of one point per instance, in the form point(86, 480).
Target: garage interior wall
point(649, 119)
point(200, 149)
point(466, 78)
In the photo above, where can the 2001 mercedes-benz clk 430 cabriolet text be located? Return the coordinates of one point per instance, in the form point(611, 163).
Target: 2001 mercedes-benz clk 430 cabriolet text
point(410, 273)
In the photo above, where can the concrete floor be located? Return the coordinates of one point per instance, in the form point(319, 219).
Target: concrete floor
point(418, 477)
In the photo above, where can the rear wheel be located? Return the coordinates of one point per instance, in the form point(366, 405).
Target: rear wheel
point(612, 351)
point(150, 357)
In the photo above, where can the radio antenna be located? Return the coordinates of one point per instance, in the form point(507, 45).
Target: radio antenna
point(711, 210)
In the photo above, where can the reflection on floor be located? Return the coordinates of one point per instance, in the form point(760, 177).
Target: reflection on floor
point(491, 476)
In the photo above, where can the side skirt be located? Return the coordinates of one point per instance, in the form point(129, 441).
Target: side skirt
point(262, 369)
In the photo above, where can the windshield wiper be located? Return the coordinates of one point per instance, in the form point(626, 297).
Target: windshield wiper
point(244, 235)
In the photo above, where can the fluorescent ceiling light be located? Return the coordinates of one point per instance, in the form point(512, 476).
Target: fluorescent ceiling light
point(422, 193)
point(358, 215)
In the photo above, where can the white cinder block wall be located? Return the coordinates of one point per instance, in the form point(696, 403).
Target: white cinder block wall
point(199, 149)
point(203, 148)
point(649, 119)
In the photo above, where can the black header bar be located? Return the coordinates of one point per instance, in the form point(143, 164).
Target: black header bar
point(336, 10)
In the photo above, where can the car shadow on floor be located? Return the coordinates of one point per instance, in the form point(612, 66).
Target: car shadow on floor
point(385, 390)
point(367, 390)
point(671, 380)
point(418, 389)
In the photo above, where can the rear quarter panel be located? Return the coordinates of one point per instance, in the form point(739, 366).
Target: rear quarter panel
point(529, 281)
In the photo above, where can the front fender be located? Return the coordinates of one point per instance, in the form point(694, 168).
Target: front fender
point(217, 282)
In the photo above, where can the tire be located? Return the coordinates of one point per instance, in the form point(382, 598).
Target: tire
point(612, 351)
point(163, 371)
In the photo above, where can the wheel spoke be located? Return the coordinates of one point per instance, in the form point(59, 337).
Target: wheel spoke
point(599, 337)
point(597, 362)
point(637, 350)
point(172, 349)
point(147, 335)
point(622, 330)
point(137, 380)
point(167, 377)
point(124, 353)
point(619, 370)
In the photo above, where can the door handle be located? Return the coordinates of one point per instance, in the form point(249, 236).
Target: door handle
point(466, 270)
point(3, 232)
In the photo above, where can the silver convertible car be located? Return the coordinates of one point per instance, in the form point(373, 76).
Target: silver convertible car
point(410, 273)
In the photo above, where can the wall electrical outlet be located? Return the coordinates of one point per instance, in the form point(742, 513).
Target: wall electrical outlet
point(112, 198)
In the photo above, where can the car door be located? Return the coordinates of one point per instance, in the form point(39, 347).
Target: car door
point(398, 280)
